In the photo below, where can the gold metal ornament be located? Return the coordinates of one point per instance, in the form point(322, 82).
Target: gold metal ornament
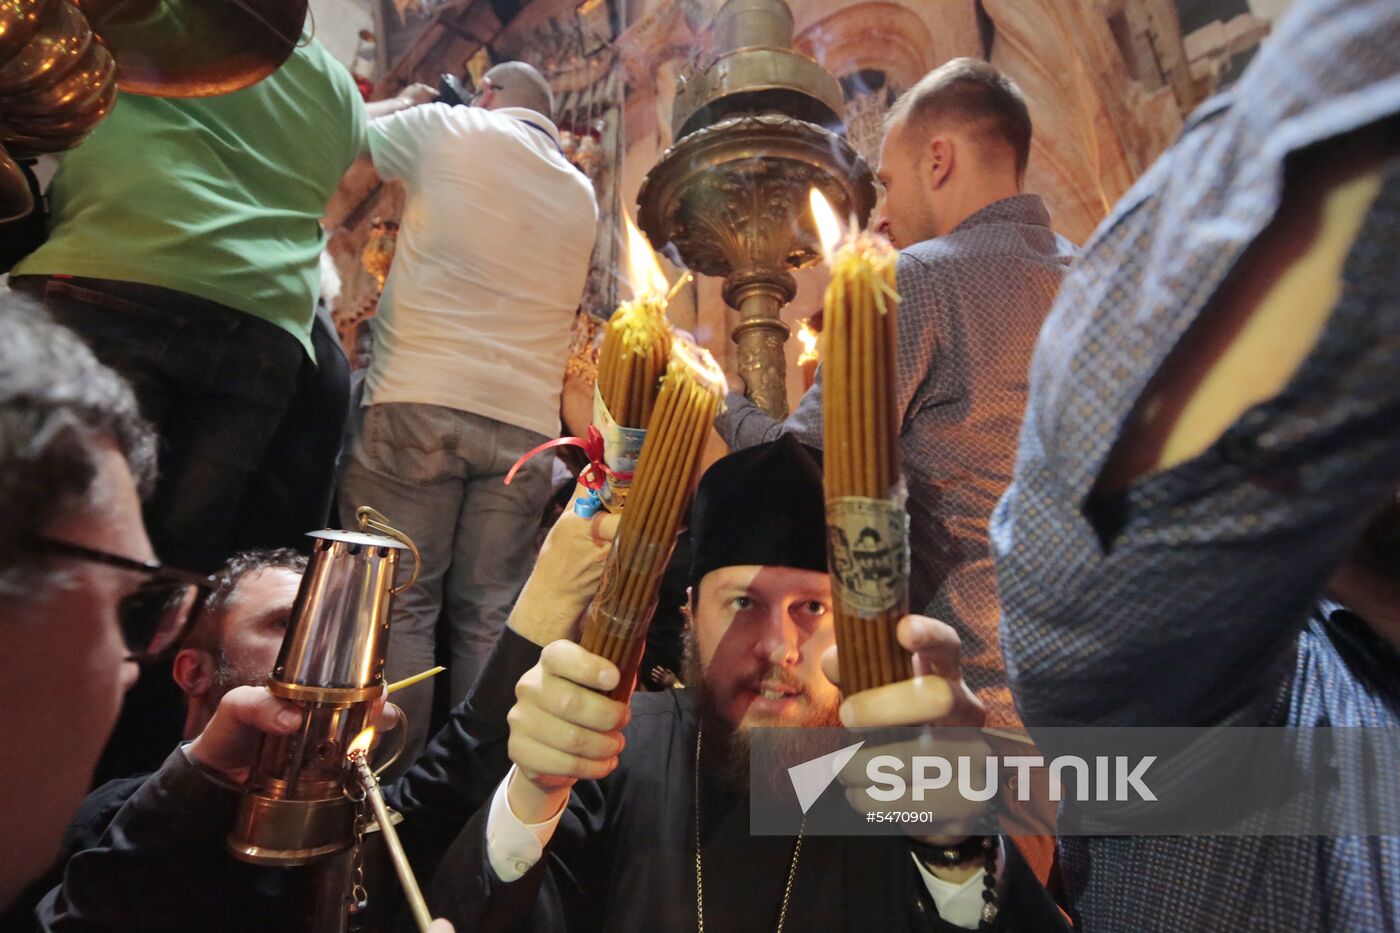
point(756, 128)
point(196, 48)
point(62, 61)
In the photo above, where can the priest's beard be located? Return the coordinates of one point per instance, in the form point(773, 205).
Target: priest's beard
point(725, 752)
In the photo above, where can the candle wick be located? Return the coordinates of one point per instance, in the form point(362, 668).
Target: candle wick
point(680, 282)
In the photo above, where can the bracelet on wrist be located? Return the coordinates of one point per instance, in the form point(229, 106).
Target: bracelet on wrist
point(955, 855)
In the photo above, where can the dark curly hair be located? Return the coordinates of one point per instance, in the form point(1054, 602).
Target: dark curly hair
point(205, 633)
point(57, 403)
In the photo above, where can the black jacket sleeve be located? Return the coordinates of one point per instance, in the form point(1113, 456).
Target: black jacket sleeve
point(563, 891)
point(461, 767)
point(163, 864)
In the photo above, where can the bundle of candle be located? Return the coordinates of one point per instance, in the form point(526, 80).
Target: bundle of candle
point(631, 362)
point(615, 624)
point(633, 357)
point(867, 527)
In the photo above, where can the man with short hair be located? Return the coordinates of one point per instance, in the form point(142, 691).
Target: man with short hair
point(73, 452)
point(178, 819)
point(232, 641)
point(762, 624)
point(978, 269)
point(231, 646)
point(236, 636)
point(618, 817)
point(468, 363)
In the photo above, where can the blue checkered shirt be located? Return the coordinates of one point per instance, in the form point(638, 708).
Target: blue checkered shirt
point(970, 306)
point(1186, 600)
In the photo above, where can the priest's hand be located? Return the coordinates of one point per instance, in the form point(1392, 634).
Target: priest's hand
point(566, 576)
point(935, 696)
point(562, 729)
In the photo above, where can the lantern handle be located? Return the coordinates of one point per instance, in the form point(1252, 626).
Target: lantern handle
point(372, 519)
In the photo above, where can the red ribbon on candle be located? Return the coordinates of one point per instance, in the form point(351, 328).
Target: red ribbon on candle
point(592, 476)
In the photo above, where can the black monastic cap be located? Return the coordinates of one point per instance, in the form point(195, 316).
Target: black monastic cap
point(763, 505)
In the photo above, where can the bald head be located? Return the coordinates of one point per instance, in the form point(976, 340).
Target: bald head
point(516, 84)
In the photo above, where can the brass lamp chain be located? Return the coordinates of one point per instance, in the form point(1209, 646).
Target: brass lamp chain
point(359, 894)
point(699, 869)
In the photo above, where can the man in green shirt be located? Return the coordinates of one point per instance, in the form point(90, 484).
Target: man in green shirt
point(184, 247)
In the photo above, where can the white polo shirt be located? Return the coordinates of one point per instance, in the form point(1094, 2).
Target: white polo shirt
point(491, 261)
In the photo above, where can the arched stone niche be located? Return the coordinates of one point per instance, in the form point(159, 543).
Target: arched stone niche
point(904, 40)
point(1096, 128)
point(870, 36)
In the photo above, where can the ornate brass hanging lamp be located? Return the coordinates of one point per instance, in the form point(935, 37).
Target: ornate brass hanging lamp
point(756, 128)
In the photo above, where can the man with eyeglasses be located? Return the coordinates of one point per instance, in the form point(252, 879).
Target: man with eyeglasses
point(232, 640)
point(82, 597)
point(77, 575)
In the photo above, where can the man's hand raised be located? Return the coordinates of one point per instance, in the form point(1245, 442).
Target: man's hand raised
point(935, 696)
point(418, 93)
point(562, 729)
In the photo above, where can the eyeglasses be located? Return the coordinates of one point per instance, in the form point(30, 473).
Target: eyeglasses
point(157, 613)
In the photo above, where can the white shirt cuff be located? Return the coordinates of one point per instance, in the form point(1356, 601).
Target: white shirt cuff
point(960, 903)
point(513, 847)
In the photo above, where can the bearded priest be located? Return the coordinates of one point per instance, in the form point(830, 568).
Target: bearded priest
point(617, 817)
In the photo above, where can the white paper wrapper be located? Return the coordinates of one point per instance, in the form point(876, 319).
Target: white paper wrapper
point(621, 448)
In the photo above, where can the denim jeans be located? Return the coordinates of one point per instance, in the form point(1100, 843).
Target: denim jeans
point(437, 474)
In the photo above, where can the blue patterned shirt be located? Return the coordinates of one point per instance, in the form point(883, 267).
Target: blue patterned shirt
point(1185, 600)
point(970, 306)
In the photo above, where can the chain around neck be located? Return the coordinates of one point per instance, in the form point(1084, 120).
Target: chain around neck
point(699, 869)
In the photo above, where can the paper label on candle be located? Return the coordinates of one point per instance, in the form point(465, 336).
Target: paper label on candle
point(621, 448)
point(868, 552)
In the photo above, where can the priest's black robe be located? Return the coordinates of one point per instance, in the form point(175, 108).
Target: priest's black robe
point(623, 859)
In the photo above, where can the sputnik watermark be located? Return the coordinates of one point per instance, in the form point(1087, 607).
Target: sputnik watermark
point(1103, 778)
point(1240, 781)
point(1116, 778)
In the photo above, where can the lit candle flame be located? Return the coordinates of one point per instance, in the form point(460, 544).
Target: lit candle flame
point(361, 743)
point(808, 338)
point(644, 273)
point(828, 227)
